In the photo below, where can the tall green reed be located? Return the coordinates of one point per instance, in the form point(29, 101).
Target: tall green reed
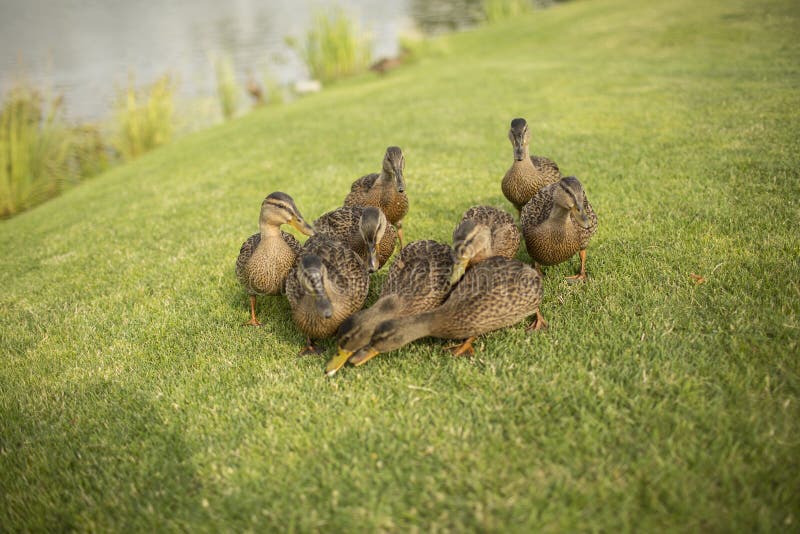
point(144, 118)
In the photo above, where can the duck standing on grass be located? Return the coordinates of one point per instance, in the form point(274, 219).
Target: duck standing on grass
point(557, 223)
point(365, 230)
point(493, 294)
point(483, 232)
point(528, 173)
point(328, 284)
point(384, 190)
point(267, 257)
point(418, 281)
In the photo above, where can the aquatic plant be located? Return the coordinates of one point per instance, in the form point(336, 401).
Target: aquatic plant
point(227, 88)
point(334, 46)
point(144, 119)
point(495, 10)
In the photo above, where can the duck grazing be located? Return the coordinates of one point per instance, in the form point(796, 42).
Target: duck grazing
point(483, 232)
point(266, 258)
point(384, 190)
point(327, 285)
point(493, 294)
point(365, 230)
point(557, 223)
point(418, 281)
point(528, 173)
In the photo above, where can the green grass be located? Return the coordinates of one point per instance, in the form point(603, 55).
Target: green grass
point(132, 399)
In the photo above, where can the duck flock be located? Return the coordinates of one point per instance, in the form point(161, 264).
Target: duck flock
point(433, 289)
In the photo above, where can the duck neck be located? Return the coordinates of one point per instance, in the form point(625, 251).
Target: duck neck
point(410, 328)
point(525, 162)
point(269, 231)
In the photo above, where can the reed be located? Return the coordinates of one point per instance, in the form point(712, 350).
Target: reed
point(144, 118)
point(227, 88)
point(497, 10)
point(335, 47)
point(35, 149)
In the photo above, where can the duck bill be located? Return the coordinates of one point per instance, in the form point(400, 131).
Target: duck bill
point(400, 181)
point(372, 260)
point(580, 216)
point(337, 361)
point(302, 226)
point(363, 356)
point(519, 154)
point(459, 268)
point(324, 306)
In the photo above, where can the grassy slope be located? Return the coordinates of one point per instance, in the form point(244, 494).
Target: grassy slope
point(130, 396)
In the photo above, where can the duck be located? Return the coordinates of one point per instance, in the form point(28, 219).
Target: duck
point(558, 222)
point(418, 281)
point(384, 190)
point(483, 232)
point(493, 294)
point(266, 257)
point(327, 285)
point(365, 230)
point(528, 173)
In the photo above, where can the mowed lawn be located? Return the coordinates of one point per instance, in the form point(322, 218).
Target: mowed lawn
point(131, 398)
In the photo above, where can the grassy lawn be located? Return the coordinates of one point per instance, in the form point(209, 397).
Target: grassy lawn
point(132, 399)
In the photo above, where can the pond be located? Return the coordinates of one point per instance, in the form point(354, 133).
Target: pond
point(85, 50)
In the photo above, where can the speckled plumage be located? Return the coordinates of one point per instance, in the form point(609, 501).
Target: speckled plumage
point(343, 224)
point(346, 284)
point(263, 264)
point(506, 236)
point(385, 190)
point(418, 281)
point(524, 179)
point(493, 294)
point(553, 234)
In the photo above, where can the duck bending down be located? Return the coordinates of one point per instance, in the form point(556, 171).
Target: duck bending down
point(328, 284)
point(418, 281)
point(493, 294)
point(266, 258)
point(528, 173)
point(558, 222)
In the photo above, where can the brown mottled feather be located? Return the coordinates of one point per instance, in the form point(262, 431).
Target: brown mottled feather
point(549, 243)
point(370, 191)
point(420, 276)
point(506, 236)
point(343, 224)
point(346, 285)
point(522, 181)
point(495, 293)
point(262, 267)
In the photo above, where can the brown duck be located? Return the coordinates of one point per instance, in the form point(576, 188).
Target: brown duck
point(418, 281)
point(328, 284)
point(483, 232)
point(384, 190)
point(557, 223)
point(365, 230)
point(528, 173)
point(493, 294)
point(267, 257)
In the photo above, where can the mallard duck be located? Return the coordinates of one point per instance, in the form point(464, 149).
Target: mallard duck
point(365, 230)
point(267, 257)
point(328, 284)
point(493, 294)
point(418, 281)
point(483, 232)
point(528, 173)
point(385, 190)
point(557, 223)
